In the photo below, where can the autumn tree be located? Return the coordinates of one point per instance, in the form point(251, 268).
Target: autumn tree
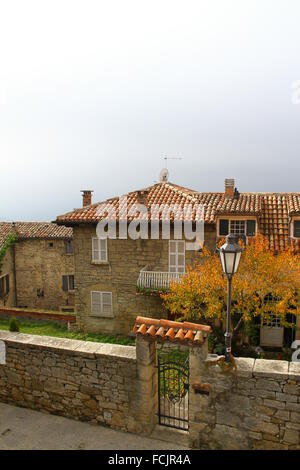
point(266, 284)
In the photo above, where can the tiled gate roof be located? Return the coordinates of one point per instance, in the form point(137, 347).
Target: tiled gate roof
point(166, 330)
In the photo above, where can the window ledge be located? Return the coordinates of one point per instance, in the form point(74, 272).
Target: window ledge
point(100, 262)
point(102, 315)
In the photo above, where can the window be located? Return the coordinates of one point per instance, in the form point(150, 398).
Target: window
point(177, 256)
point(101, 304)
point(4, 285)
point(99, 250)
point(271, 320)
point(50, 244)
point(237, 227)
point(68, 282)
point(69, 249)
point(224, 227)
point(297, 228)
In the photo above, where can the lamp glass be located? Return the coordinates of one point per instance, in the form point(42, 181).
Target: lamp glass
point(237, 261)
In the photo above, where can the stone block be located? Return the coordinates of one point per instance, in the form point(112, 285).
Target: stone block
point(286, 397)
point(268, 384)
point(293, 407)
point(228, 438)
point(294, 371)
point(244, 366)
point(271, 369)
point(291, 437)
point(295, 417)
point(279, 405)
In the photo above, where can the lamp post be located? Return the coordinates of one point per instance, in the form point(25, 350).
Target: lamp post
point(230, 255)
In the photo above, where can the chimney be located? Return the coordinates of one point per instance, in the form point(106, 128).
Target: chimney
point(142, 196)
point(229, 187)
point(86, 197)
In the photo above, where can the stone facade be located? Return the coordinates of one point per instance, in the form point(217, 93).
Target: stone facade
point(40, 264)
point(119, 275)
point(36, 281)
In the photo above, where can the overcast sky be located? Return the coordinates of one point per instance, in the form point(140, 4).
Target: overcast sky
point(93, 95)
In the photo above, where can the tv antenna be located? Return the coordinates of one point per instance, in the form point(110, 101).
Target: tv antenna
point(171, 158)
point(164, 174)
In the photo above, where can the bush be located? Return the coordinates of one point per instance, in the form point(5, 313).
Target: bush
point(13, 324)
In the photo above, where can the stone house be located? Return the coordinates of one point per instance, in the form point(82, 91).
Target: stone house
point(37, 271)
point(116, 278)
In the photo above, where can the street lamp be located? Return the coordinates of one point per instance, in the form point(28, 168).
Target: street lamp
point(230, 255)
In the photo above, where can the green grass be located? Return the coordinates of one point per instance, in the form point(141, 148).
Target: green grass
point(51, 328)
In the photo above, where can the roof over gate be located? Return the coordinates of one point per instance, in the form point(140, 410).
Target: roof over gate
point(166, 330)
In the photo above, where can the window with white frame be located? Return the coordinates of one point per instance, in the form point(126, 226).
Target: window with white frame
point(239, 227)
point(101, 304)
point(271, 319)
point(99, 250)
point(176, 256)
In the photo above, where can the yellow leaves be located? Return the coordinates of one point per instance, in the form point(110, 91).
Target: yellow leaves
point(202, 291)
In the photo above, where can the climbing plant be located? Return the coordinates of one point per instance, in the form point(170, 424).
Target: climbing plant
point(10, 240)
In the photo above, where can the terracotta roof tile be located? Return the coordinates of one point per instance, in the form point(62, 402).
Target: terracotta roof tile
point(165, 330)
point(31, 230)
point(272, 209)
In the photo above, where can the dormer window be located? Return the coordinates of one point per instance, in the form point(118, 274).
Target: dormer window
point(239, 227)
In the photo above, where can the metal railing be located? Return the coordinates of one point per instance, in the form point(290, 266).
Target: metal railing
point(156, 279)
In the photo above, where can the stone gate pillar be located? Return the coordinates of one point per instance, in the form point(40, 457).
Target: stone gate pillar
point(198, 392)
point(146, 393)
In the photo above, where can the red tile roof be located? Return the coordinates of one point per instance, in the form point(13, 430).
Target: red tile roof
point(166, 330)
point(272, 209)
point(31, 230)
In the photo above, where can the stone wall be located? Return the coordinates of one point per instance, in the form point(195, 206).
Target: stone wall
point(119, 275)
point(40, 265)
point(42, 316)
point(101, 383)
point(256, 406)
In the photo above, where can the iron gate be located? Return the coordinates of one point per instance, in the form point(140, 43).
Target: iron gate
point(173, 388)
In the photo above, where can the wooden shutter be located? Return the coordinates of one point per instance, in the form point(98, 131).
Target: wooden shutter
point(7, 284)
point(251, 228)
point(65, 283)
point(71, 283)
point(95, 303)
point(224, 227)
point(297, 228)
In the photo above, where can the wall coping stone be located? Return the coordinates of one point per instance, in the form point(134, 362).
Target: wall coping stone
point(86, 348)
point(245, 366)
point(250, 367)
point(294, 370)
point(271, 368)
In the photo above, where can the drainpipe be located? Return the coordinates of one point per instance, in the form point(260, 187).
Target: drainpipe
point(14, 272)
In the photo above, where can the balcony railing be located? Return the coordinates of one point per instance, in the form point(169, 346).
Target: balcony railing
point(157, 280)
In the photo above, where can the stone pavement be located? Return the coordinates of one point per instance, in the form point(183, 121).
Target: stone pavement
point(22, 428)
